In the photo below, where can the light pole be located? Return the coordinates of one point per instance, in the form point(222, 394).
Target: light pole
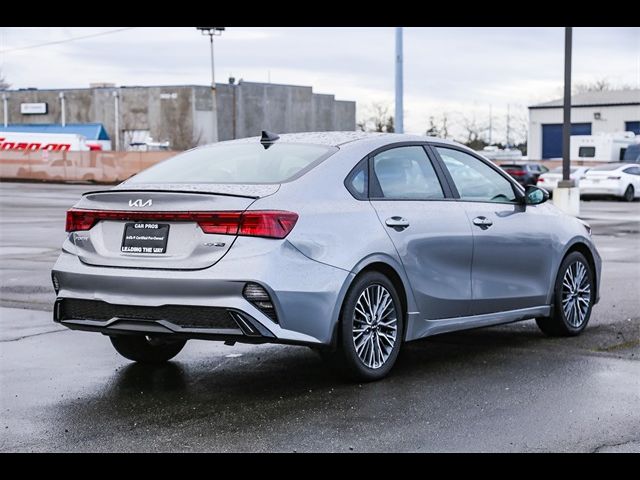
point(567, 195)
point(566, 127)
point(5, 109)
point(212, 32)
point(399, 123)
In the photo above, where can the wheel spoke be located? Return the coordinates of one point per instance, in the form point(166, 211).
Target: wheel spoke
point(375, 325)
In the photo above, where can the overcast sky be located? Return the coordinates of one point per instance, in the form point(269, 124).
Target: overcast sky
point(461, 71)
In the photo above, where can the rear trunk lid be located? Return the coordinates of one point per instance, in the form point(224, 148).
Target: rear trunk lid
point(157, 226)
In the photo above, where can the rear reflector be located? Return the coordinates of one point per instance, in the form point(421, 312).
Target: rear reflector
point(257, 223)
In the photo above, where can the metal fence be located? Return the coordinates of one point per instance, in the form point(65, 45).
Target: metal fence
point(92, 166)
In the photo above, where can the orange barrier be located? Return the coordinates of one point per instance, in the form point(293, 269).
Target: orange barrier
point(93, 166)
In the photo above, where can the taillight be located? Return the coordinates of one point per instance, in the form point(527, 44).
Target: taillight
point(540, 179)
point(257, 223)
point(273, 224)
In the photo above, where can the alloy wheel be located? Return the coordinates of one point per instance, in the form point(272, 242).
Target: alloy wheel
point(576, 294)
point(375, 326)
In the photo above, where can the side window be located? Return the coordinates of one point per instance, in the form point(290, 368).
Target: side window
point(406, 173)
point(358, 181)
point(474, 179)
point(632, 170)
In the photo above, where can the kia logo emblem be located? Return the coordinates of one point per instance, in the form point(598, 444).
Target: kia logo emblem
point(139, 203)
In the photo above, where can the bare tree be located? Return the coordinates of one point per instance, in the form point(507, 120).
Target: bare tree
point(378, 119)
point(474, 132)
point(599, 85)
point(4, 85)
point(438, 127)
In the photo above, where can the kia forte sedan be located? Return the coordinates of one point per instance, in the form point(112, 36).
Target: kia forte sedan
point(347, 242)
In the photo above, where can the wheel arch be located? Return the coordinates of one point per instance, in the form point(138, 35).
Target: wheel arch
point(583, 248)
point(394, 272)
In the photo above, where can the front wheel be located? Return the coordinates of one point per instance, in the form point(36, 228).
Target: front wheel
point(370, 331)
point(144, 349)
point(573, 298)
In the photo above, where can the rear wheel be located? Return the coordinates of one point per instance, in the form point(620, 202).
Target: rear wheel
point(629, 194)
point(146, 349)
point(370, 331)
point(573, 298)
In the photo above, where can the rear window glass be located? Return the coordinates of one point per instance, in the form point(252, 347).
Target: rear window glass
point(237, 163)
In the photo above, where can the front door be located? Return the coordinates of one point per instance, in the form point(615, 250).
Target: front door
point(511, 266)
point(431, 234)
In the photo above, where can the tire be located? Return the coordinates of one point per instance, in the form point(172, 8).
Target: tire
point(571, 322)
point(629, 194)
point(373, 360)
point(146, 350)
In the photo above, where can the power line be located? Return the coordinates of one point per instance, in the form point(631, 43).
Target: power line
point(46, 44)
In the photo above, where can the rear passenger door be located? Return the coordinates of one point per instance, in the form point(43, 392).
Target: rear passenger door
point(511, 266)
point(431, 234)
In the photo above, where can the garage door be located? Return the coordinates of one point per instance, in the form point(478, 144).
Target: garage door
point(632, 127)
point(552, 137)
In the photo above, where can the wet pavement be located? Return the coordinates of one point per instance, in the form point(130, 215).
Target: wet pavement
point(504, 388)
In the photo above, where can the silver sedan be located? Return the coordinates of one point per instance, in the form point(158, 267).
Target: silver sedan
point(350, 243)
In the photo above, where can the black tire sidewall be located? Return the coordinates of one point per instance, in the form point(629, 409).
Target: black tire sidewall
point(629, 198)
point(559, 315)
point(350, 357)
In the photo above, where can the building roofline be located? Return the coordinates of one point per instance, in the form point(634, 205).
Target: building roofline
point(624, 104)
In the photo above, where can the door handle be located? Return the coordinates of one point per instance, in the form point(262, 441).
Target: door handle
point(482, 222)
point(398, 223)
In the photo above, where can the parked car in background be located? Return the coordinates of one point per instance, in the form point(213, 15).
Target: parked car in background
point(524, 173)
point(619, 180)
point(632, 154)
point(246, 241)
point(549, 180)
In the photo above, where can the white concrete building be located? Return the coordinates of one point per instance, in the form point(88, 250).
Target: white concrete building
point(591, 113)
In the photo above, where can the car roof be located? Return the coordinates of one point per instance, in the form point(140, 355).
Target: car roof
point(338, 138)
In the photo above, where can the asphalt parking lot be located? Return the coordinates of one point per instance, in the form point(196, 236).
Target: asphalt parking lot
point(505, 388)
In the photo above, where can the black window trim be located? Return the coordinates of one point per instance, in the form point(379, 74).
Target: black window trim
point(351, 175)
point(374, 185)
point(517, 188)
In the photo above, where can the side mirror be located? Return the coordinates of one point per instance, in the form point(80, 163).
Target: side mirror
point(535, 195)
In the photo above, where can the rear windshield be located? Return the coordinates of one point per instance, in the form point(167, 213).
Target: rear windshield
point(237, 163)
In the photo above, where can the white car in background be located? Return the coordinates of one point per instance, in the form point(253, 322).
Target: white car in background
point(549, 180)
point(620, 180)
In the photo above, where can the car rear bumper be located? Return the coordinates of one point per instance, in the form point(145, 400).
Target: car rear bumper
point(207, 303)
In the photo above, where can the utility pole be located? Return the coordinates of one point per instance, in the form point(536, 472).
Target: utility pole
point(63, 110)
point(5, 109)
point(566, 126)
point(567, 196)
point(399, 120)
point(490, 124)
point(116, 115)
point(213, 32)
point(508, 124)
